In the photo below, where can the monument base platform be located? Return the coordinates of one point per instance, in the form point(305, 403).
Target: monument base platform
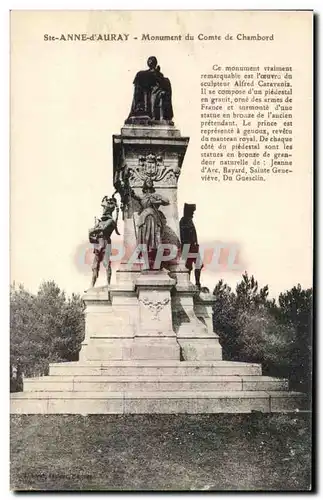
point(149, 347)
point(155, 386)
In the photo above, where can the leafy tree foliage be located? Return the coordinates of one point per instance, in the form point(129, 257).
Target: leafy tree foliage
point(296, 308)
point(45, 327)
point(254, 328)
point(248, 294)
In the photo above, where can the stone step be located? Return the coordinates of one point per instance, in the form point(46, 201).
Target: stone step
point(72, 402)
point(157, 383)
point(154, 368)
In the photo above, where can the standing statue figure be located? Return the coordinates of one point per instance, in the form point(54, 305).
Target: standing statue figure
point(189, 237)
point(151, 221)
point(152, 94)
point(100, 237)
point(122, 186)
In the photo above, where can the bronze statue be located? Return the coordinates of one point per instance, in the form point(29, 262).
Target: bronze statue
point(152, 94)
point(100, 237)
point(122, 186)
point(189, 236)
point(151, 221)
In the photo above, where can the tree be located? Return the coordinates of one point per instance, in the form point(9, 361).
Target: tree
point(254, 328)
point(45, 327)
point(247, 294)
point(265, 340)
point(71, 333)
point(226, 320)
point(296, 308)
point(230, 312)
point(24, 330)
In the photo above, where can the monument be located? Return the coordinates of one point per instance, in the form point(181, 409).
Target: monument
point(149, 343)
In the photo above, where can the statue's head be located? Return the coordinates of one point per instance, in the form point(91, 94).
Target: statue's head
point(152, 62)
point(108, 204)
point(189, 209)
point(148, 186)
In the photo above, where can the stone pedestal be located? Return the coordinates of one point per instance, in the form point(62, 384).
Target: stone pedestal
point(152, 315)
point(135, 325)
point(149, 152)
point(186, 322)
point(155, 338)
point(109, 326)
point(192, 317)
point(201, 345)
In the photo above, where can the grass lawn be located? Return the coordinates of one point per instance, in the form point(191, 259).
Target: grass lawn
point(161, 452)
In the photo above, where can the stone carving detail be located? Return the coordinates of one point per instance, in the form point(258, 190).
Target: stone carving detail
point(171, 176)
point(152, 167)
point(155, 306)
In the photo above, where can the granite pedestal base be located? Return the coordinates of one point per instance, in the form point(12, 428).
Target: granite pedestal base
point(151, 349)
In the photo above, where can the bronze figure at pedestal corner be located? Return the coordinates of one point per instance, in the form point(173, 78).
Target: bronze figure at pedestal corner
point(152, 100)
point(189, 237)
point(100, 237)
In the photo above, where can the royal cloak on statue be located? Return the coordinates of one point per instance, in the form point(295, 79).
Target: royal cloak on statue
point(152, 94)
